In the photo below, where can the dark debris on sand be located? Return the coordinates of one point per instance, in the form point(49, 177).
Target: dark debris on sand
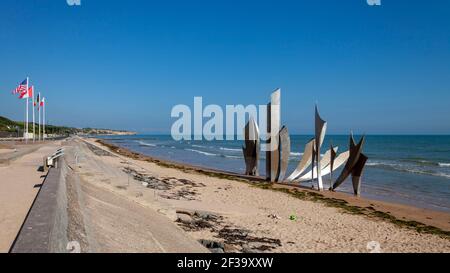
point(174, 188)
point(198, 221)
point(97, 151)
point(247, 242)
point(229, 239)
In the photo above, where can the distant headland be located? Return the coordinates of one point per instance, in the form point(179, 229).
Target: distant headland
point(10, 128)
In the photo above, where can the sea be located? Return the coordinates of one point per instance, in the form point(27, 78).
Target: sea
point(411, 170)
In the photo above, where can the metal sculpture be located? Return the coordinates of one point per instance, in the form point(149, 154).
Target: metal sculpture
point(312, 174)
point(357, 174)
point(273, 125)
point(285, 144)
point(278, 152)
point(251, 148)
point(320, 129)
point(304, 163)
point(338, 162)
point(332, 166)
point(354, 165)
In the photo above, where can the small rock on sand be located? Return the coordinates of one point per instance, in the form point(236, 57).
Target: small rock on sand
point(274, 216)
point(212, 245)
point(205, 215)
point(184, 218)
point(188, 212)
point(216, 250)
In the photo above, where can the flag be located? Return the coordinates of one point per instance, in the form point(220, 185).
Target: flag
point(31, 91)
point(42, 102)
point(36, 103)
point(21, 88)
point(26, 94)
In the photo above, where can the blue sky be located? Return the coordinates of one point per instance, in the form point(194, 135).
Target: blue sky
point(125, 64)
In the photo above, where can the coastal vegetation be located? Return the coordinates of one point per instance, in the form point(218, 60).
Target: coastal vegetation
point(15, 128)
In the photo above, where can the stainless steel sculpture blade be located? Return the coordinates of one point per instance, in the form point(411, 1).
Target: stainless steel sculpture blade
point(332, 166)
point(312, 174)
point(357, 174)
point(340, 160)
point(285, 143)
point(355, 153)
point(304, 163)
point(273, 127)
point(320, 130)
point(258, 147)
point(326, 160)
point(268, 152)
point(251, 148)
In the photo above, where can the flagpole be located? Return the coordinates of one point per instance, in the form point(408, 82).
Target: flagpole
point(26, 125)
point(34, 127)
point(39, 114)
point(43, 113)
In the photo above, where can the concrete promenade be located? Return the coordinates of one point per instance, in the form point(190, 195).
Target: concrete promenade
point(20, 179)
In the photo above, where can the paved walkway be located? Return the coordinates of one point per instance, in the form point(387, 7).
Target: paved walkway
point(18, 187)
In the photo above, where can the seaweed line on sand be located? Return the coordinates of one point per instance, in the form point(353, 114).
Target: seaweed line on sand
point(172, 187)
point(356, 210)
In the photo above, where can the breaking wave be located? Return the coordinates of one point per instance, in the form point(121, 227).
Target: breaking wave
point(409, 168)
point(142, 143)
point(201, 152)
point(230, 149)
point(198, 146)
point(232, 156)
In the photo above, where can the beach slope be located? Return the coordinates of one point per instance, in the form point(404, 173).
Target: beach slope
point(239, 215)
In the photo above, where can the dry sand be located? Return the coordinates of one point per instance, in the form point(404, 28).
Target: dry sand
point(248, 218)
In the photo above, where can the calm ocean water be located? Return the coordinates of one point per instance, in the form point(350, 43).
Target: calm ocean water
point(413, 170)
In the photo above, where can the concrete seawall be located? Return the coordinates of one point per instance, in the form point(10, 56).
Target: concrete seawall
point(45, 227)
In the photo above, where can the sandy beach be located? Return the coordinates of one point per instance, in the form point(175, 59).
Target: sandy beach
point(248, 216)
point(121, 201)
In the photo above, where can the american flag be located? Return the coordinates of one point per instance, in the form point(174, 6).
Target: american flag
point(26, 94)
point(21, 88)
